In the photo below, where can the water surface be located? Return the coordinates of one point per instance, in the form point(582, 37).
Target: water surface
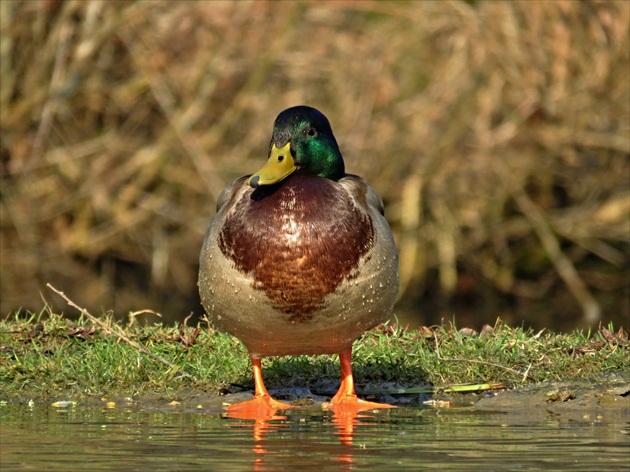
point(141, 438)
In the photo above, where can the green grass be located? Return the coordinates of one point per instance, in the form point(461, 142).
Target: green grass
point(47, 355)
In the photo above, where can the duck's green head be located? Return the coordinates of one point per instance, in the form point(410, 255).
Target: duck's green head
point(302, 140)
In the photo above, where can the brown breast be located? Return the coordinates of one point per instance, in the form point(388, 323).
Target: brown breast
point(299, 240)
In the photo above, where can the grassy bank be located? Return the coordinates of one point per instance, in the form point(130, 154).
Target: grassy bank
point(47, 355)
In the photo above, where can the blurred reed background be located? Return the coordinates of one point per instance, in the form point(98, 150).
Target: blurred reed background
point(496, 132)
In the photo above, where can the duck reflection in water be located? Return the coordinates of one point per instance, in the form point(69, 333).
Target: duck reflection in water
point(267, 433)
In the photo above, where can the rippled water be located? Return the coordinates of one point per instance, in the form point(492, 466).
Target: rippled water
point(93, 438)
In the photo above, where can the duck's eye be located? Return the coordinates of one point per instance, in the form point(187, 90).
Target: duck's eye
point(280, 158)
point(312, 132)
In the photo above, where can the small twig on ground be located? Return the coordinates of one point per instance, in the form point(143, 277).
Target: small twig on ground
point(133, 314)
point(456, 359)
point(120, 335)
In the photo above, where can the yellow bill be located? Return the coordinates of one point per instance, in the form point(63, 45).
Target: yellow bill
point(279, 166)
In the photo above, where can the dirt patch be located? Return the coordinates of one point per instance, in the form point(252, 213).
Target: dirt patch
point(606, 398)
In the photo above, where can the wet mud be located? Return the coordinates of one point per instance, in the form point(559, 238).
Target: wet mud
point(605, 398)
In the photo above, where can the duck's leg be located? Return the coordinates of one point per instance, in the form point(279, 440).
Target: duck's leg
point(262, 403)
point(346, 396)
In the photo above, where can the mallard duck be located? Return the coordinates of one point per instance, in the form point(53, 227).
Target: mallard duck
point(299, 258)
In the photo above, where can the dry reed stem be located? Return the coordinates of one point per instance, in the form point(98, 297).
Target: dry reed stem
point(122, 122)
point(590, 308)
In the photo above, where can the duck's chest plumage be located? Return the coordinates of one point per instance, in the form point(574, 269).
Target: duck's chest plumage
point(286, 264)
point(297, 241)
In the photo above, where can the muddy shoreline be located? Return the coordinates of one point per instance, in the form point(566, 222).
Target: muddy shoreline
point(602, 399)
point(606, 398)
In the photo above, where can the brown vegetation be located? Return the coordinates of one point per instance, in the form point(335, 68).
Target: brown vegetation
point(496, 132)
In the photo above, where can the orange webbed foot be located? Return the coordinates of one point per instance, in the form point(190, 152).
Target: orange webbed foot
point(344, 401)
point(261, 407)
